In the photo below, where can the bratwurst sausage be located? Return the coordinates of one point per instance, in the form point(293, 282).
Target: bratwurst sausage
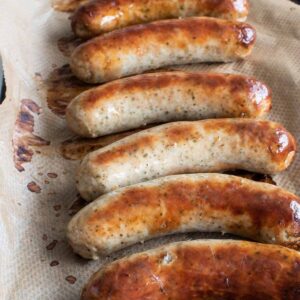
point(163, 97)
point(202, 269)
point(100, 16)
point(139, 48)
point(186, 203)
point(187, 147)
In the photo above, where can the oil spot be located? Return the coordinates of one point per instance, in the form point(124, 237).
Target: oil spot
point(62, 86)
point(77, 205)
point(34, 187)
point(67, 5)
point(57, 207)
point(67, 45)
point(52, 245)
point(54, 263)
point(71, 279)
point(45, 237)
point(52, 175)
point(23, 138)
point(47, 181)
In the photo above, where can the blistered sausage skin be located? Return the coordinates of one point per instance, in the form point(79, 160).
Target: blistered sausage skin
point(186, 203)
point(136, 49)
point(202, 269)
point(101, 16)
point(132, 102)
point(187, 147)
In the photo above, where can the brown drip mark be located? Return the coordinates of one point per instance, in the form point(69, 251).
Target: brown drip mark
point(67, 45)
point(34, 187)
point(57, 207)
point(54, 263)
point(67, 5)
point(24, 141)
point(77, 205)
point(52, 175)
point(71, 279)
point(52, 245)
point(62, 86)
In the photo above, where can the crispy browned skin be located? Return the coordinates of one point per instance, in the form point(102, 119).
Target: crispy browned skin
point(186, 203)
point(201, 270)
point(100, 16)
point(136, 49)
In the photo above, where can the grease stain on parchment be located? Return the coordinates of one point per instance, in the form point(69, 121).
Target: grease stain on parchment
point(52, 175)
point(54, 263)
point(67, 5)
point(34, 187)
point(71, 279)
point(57, 207)
point(77, 205)
point(52, 245)
point(24, 141)
point(61, 87)
point(66, 45)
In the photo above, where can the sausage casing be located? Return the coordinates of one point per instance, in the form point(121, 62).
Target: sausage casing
point(186, 203)
point(132, 102)
point(187, 147)
point(203, 269)
point(136, 49)
point(100, 16)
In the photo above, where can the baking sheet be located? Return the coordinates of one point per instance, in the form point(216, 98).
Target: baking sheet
point(37, 187)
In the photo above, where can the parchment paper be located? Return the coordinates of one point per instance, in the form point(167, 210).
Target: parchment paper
point(37, 188)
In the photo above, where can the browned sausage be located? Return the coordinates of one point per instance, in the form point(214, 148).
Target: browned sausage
point(136, 49)
point(100, 16)
point(130, 103)
point(186, 203)
point(214, 145)
point(203, 269)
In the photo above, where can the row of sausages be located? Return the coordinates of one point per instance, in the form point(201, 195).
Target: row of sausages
point(167, 179)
